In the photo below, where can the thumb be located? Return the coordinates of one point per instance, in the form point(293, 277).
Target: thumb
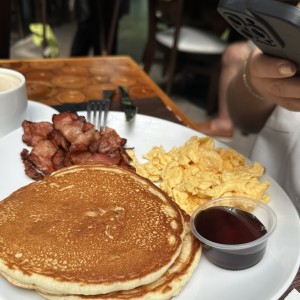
point(287, 69)
point(271, 66)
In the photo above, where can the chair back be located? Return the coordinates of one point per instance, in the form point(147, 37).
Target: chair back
point(197, 44)
point(162, 14)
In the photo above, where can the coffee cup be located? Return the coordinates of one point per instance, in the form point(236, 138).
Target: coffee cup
point(13, 100)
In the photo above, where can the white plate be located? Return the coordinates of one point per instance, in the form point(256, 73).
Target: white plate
point(39, 112)
point(266, 281)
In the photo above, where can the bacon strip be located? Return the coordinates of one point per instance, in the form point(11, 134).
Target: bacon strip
point(70, 140)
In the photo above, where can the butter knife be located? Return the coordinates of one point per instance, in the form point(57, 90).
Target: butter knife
point(127, 106)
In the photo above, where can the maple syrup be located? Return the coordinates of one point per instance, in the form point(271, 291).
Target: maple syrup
point(230, 226)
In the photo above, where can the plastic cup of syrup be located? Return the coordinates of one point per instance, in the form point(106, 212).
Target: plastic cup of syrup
point(234, 231)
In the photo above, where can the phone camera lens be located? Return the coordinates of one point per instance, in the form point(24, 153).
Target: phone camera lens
point(246, 33)
point(234, 20)
point(258, 32)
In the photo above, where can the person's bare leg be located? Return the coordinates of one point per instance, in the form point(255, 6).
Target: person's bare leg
point(232, 58)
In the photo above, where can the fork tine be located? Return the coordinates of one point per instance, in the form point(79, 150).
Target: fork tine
point(106, 103)
point(105, 106)
point(97, 110)
point(97, 113)
point(88, 110)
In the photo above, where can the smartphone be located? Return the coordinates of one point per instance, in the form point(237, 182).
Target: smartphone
point(273, 26)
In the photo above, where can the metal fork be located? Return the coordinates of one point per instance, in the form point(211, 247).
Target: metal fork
point(97, 110)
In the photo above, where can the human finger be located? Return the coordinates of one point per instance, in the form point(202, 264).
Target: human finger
point(284, 92)
point(266, 66)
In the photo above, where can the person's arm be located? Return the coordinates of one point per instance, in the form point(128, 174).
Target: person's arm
point(272, 80)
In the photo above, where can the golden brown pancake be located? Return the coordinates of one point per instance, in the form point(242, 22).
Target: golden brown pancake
point(89, 230)
point(166, 287)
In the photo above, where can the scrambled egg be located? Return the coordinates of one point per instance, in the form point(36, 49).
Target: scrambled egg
point(198, 171)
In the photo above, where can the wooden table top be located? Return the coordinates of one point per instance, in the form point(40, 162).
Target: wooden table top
point(63, 81)
point(76, 80)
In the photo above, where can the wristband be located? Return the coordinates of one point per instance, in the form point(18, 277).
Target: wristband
point(247, 84)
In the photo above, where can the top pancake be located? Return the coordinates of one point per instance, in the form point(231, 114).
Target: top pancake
point(165, 288)
point(89, 230)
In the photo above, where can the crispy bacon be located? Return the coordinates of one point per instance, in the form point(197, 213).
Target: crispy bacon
point(34, 132)
point(58, 159)
point(75, 130)
point(59, 140)
point(85, 157)
point(68, 141)
point(110, 141)
point(30, 168)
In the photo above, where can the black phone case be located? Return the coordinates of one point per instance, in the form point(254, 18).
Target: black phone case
point(273, 27)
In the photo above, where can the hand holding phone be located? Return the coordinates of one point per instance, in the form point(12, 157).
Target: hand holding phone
point(274, 27)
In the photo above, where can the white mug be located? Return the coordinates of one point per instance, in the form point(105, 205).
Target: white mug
point(13, 100)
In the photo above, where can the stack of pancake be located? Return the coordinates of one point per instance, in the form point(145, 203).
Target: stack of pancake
point(96, 232)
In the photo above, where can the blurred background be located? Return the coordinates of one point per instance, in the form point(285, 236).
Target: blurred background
point(189, 89)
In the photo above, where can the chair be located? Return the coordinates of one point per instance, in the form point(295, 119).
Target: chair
point(198, 50)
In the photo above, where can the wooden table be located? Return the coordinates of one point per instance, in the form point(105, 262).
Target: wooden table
point(76, 80)
point(71, 81)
